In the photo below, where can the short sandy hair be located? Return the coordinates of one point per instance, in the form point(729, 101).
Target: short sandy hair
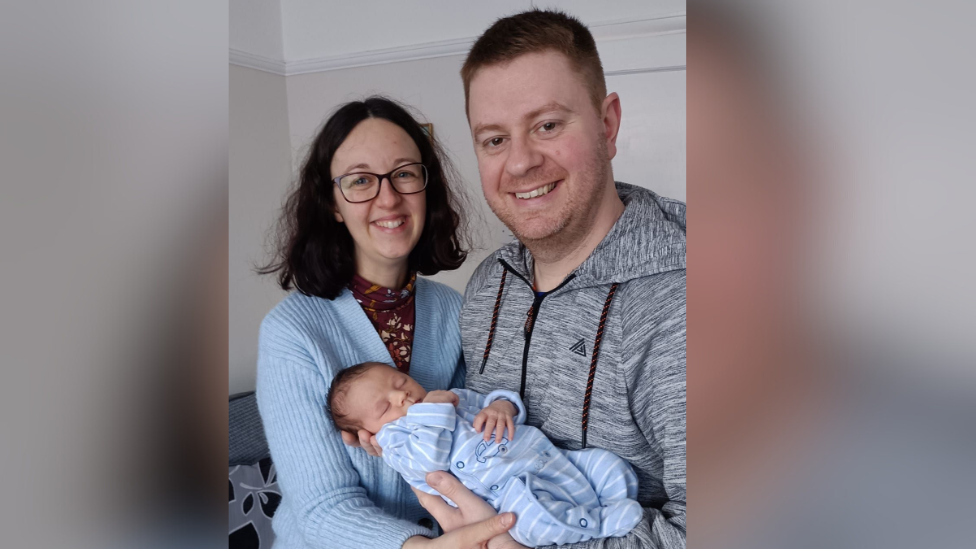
point(537, 31)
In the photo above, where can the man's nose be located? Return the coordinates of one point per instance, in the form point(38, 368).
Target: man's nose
point(522, 157)
point(388, 196)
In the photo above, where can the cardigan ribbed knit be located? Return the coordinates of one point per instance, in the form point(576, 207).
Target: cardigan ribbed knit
point(333, 495)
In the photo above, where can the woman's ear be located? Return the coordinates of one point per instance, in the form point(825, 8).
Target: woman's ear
point(338, 216)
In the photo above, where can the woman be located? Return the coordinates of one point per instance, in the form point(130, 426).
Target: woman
point(373, 208)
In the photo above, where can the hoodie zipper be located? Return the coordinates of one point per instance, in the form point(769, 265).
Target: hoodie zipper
point(531, 317)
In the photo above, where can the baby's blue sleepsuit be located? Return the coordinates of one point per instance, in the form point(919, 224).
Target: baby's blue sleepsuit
point(558, 496)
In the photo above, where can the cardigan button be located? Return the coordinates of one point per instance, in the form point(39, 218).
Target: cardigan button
point(460, 465)
point(494, 487)
point(583, 523)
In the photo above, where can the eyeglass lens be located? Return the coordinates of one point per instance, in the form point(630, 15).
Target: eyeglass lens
point(360, 187)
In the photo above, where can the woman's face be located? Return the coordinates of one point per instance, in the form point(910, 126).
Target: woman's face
point(386, 228)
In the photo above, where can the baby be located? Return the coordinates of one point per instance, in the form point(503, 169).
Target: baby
point(558, 496)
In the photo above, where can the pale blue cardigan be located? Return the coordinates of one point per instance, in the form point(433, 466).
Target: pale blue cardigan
point(334, 495)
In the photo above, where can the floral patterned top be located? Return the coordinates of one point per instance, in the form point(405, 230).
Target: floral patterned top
point(392, 313)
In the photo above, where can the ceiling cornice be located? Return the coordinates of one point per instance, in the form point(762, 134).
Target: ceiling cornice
point(602, 32)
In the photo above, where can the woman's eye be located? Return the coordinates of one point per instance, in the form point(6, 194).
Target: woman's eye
point(404, 174)
point(359, 181)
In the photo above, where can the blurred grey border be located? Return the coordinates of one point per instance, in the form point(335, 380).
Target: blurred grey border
point(113, 220)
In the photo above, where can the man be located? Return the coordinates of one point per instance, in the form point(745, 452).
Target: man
point(584, 316)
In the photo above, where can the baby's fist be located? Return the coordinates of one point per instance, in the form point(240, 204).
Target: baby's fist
point(444, 397)
point(497, 417)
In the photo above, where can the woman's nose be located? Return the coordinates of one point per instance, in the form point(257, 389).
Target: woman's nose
point(388, 196)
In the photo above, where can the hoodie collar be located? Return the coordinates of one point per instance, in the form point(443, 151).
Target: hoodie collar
point(648, 238)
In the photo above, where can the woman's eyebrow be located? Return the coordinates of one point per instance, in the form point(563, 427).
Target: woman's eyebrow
point(397, 163)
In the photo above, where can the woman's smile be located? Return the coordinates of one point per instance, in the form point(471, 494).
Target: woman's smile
point(390, 223)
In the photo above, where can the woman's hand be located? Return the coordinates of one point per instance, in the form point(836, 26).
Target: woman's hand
point(366, 441)
point(471, 510)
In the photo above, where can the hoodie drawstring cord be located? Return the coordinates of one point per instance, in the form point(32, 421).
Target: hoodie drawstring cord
point(593, 360)
point(494, 322)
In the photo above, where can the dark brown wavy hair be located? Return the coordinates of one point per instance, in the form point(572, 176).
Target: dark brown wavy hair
point(314, 253)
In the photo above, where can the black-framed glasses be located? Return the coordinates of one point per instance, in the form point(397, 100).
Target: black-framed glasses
point(365, 186)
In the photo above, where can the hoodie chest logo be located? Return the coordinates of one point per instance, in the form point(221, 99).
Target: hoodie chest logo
point(579, 347)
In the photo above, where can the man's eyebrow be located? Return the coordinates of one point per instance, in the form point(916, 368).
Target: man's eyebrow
point(552, 106)
point(482, 128)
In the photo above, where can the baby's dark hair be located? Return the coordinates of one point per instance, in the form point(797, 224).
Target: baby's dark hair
point(337, 391)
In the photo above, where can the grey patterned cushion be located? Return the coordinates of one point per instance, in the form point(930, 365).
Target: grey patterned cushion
point(254, 498)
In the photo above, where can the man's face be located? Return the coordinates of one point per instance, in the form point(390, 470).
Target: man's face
point(381, 395)
point(542, 146)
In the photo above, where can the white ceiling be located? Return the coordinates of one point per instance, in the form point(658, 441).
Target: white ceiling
point(295, 30)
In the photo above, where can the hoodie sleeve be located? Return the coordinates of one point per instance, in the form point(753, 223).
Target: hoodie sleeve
point(658, 403)
point(419, 442)
point(656, 397)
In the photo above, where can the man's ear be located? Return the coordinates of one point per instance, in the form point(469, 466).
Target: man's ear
point(610, 110)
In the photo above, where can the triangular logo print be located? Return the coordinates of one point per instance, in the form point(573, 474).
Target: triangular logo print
point(579, 348)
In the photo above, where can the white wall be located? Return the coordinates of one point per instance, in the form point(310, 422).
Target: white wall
point(255, 27)
point(260, 172)
point(317, 28)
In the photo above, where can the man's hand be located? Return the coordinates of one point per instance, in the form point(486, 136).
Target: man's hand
point(497, 416)
point(445, 397)
point(366, 441)
point(474, 536)
point(471, 510)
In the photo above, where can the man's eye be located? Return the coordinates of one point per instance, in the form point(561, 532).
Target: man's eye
point(495, 141)
point(549, 126)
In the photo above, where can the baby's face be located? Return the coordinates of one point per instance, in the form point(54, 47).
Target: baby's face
point(381, 395)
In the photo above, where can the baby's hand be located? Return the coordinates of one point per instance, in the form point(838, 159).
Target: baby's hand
point(445, 397)
point(497, 416)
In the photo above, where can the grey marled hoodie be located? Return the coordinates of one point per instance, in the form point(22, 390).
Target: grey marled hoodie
point(637, 403)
